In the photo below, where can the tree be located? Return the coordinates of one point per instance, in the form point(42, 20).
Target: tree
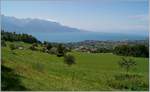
point(45, 43)
point(61, 50)
point(49, 46)
point(127, 64)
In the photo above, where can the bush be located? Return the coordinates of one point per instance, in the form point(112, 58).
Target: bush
point(3, 43)
point(12, 47)
point(35, 44)
point(69, 59)
point(53, 51)
point(127, 64)
point(32, 48)
point(44, 49)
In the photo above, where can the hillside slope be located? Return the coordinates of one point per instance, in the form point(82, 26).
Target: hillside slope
point(42, 71)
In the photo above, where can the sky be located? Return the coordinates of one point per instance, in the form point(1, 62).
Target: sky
point(91, 15)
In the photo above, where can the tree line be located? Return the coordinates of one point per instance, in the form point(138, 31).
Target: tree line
point(132, 50)
point(13, 36)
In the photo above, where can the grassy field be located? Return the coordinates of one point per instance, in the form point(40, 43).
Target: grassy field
point(43, 71)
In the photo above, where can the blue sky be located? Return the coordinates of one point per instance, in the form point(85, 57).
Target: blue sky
point(94, 15)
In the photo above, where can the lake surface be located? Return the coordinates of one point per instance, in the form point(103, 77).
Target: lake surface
point(81, 36)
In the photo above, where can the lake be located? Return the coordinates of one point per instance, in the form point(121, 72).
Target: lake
point(81, 36)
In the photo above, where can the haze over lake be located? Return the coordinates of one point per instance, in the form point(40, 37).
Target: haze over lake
point(81, 36)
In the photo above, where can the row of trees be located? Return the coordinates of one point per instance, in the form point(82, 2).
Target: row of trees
point(103, 50)
point(137, 50)
point(12, 36)
point(132, 50)
point(57, 49)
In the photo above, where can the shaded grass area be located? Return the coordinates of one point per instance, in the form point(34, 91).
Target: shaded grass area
point(10, 80)
point(92, 72)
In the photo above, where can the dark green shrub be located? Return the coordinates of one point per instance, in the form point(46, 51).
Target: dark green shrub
point(53, 51)
point(60, 50)
point(33, 46)
point(49, 46)
point(127, 64)
point(3, 43)
point(12, 47)
point(69, 59)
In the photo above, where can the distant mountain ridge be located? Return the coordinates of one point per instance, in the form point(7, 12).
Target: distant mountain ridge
point(27, 25)
point(46, 30)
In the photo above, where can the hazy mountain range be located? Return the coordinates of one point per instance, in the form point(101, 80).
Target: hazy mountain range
point(33, 25)
point(56, 32)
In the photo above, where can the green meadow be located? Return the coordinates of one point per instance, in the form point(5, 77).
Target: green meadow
point(92, 71)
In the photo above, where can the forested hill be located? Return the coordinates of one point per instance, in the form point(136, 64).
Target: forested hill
point(12, 36)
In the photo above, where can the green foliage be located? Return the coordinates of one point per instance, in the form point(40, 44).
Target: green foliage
point(53, 51)
point(33, 46)
point(133, 50)
point(3, 43)
point(69, 59)
point(12, 36)
point(61, 50)
point(127, 64)
point(45, 43)
point(12, 46)
point(44, 49)
point(49, 46)
point(103, 50)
